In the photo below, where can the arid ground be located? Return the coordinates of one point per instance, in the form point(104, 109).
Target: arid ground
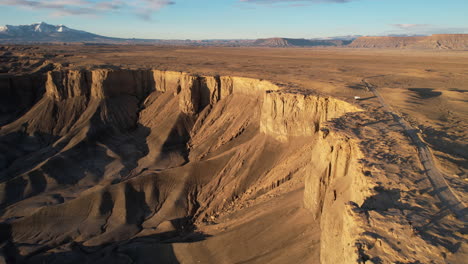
point(143, 154)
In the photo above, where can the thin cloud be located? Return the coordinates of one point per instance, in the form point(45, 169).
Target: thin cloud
point(143, 8)
point(410, 26)
point(293, 1)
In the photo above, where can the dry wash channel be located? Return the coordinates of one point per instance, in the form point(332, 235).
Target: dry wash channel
point(141, 166)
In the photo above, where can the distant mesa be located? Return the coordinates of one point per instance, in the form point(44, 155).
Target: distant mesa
point(290, 42)
point(437, 41)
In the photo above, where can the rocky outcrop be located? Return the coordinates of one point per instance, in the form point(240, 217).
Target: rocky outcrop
point(136, 149)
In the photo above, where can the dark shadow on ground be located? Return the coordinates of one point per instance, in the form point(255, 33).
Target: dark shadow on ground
point(425, 93)
point(156, 248)
point(367, 98)
point(385, 199)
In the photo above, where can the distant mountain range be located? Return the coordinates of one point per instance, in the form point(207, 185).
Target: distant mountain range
point(46, 33)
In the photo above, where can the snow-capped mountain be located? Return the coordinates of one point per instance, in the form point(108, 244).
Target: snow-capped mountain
point(43, 32)
point(37, 27)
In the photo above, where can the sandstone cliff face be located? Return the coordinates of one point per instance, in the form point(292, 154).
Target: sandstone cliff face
point(142, 148)
point(113, 83)
point(200, 91)
point(61, 85)
point(100, 84)
point(335, 180)
point(291, 115)
point(333, 174)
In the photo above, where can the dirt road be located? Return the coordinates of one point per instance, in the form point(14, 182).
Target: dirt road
point(441, 187)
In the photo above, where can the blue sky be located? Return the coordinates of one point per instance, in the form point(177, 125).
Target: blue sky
point(228, 19)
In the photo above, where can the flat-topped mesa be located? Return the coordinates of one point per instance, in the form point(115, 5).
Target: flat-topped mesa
point(436, 41)
point(102, 83)
point(290, 115)
point(74, 92)
point(172, 81)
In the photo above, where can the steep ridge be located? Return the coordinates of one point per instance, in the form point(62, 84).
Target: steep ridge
point(436, 41)
point(106, 155)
